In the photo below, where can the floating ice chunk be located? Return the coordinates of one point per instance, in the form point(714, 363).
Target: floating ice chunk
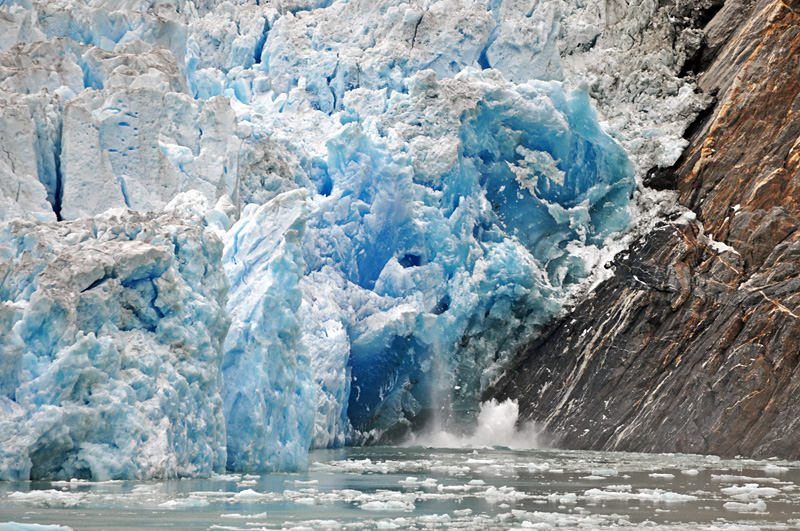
point(656, 495)
point(48, 498)
point(503, 494)
point(605, 472)
point(243, 516)
point(184, 504)
point(305, 501)
point(755, 507)
point(391, 505)
point(568, 498)
point(658, 475)
point(17, 526)
point(302, 483)
point(775, 470)
point(733, 478)
point(247, 495)
point(750, 491)
point(415, 482)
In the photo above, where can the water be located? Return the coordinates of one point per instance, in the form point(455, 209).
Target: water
point(423, 488)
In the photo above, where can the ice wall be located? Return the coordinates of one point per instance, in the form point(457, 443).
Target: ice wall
point(102, 129)
point(403, 192)
point(111, 352)
point(439, 269)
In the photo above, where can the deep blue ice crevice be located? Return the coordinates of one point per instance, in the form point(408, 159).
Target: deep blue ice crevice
point(269, 394)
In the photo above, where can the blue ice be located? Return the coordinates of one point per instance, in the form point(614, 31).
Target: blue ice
point(407, 194)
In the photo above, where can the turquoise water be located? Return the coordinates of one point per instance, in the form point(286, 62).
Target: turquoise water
point(423, 488)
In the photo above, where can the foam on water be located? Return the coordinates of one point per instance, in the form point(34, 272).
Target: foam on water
point(498, 425)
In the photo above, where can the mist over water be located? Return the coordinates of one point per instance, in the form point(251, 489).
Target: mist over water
point(497, 427)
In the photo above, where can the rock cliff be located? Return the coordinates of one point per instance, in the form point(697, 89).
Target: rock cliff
point(693, 344)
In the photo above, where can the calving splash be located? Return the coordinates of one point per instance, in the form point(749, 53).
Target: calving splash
point(497, 426)
point(349, 215)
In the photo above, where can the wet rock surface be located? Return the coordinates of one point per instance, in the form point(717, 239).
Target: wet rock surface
point(693, 344)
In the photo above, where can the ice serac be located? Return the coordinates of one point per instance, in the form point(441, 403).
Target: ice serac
point(111, 352)
point(269, 394)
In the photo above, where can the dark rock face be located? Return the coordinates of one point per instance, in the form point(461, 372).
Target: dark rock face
point(694, 346)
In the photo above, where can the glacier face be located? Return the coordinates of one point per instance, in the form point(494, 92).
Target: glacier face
point(402, 190)
point(111, 348)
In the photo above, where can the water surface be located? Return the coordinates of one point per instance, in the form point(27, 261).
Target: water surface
point(422, 488)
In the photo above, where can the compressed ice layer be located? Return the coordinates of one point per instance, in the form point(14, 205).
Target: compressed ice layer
point(134, 140)
point(27, 166)
point(111, 351)
point(139, 147)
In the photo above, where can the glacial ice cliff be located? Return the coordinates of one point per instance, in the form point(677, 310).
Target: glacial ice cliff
point(111, 349)
point(397, 194)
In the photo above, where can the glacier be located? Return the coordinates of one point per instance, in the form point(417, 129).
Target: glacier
point(232, 232)
point(111, 348)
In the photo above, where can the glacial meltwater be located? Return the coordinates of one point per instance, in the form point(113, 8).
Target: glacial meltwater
point(425, 488)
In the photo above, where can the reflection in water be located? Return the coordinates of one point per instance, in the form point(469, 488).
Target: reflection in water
point(430, 488)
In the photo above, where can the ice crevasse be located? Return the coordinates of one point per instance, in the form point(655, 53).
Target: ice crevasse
point(330, 223)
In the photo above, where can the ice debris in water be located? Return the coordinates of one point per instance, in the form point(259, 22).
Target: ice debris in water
point(403, 193)
point(17, 526)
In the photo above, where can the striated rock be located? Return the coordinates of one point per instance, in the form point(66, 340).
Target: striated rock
point(677, 352)
point(693, 344)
